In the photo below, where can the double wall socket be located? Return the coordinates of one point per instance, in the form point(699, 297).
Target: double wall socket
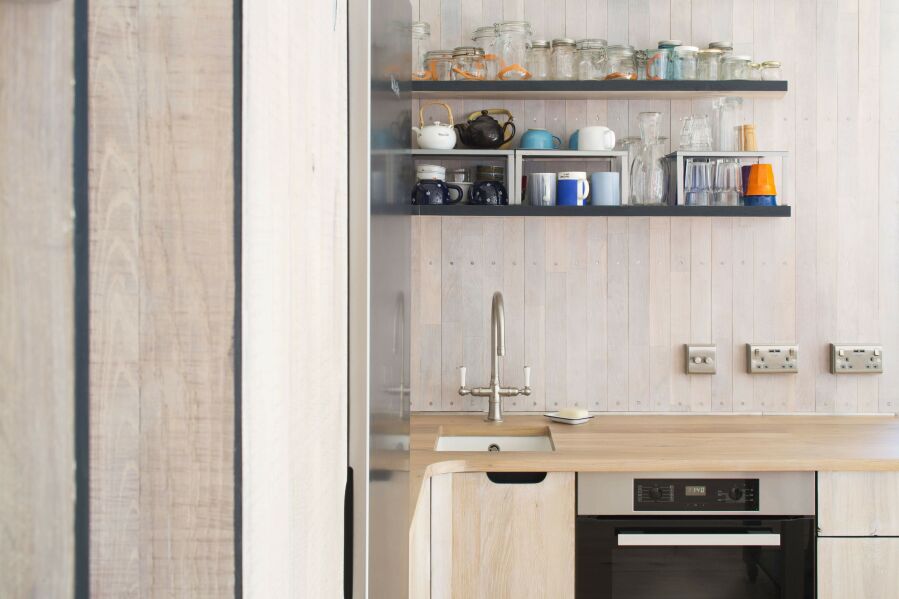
point(772, 359)
point(856, 359)
point(702, 359)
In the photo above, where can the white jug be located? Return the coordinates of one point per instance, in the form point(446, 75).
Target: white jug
point(595, 139)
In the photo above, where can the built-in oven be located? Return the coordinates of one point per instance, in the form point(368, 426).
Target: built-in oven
point(695, 536)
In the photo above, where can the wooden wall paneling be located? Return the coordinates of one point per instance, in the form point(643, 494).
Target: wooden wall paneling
point(618, 33)
point(700, 305)
point(37, 312)
point(765, 304)
point(429, 302)
point(535, 298)
point(578, 303)
point(452, 335)
point(492, 11)
point(451, 23)
point(617, 315)
point(416, 365)
point(659, 299)
point(681, 312)
point(115, 246)
point(596, 319)
point(513, 10)
point(557, 358)
point(638, 305)
point(553, 25)
point(513, 282)
point(722, 313)
point(888, 207)
point(743, 249)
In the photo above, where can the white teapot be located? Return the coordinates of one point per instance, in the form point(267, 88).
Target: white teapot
point(437, 135)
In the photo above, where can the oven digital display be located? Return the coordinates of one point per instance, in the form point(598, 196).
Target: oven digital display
point(694, 490)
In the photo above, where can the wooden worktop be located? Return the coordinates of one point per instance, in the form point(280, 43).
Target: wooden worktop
point(635, 443)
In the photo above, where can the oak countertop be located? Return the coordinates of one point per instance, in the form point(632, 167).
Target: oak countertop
point(638, 443)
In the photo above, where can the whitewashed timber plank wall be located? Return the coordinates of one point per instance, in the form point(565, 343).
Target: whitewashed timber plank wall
point(601, 307)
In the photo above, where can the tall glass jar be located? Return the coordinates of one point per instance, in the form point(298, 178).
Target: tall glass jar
point(684, 62)
point(539, 60)
point(485, 38)
point(440, 65)
point(707, 64)
point(621, 62)
point(671, 46)
point(657, 60)
point(421, 36)
point(735, 67)
point(592, 61)
point(468, 64)
point(512, 41)
point(726, 48)
point(563, 58)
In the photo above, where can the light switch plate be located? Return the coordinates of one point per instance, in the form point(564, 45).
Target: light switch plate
point(702, 359)
point(772, 359)
point(856, 359)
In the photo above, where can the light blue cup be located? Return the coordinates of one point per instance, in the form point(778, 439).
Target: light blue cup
point(605, 189)
point(572, 141)
point(539, 139)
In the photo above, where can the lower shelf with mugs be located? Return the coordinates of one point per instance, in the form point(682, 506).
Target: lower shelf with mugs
point(590, 211)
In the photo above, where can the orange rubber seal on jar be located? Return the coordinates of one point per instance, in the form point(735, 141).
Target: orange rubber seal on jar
point(467, 75)
point(525, 74)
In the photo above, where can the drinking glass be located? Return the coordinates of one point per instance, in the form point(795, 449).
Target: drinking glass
point(726, 117)
point(728, 183)
point(697, 182)
point(696, 133)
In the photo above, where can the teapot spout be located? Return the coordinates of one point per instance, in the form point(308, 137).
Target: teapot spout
point(416, 130)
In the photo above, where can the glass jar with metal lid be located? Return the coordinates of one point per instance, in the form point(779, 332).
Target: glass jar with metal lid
point(591, 59)
point(440, 65)
point(707, 63)
point(421, 36)
point(539, 60)
point(771, 70)
point(621, 62)
point(735, 66)
point(564, 60)
point(468, 64)
point(485, 38)
point(656, 66)
point(684, 62)
point(726, 47)
point(512, 41)
point(671, 46)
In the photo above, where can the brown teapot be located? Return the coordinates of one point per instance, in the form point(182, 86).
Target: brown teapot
point(480, 130)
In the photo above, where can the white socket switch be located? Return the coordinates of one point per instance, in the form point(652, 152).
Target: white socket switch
point(702, 359)
point(856, 359)
point(772, 359)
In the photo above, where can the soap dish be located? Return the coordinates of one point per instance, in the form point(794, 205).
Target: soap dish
point(554, 416)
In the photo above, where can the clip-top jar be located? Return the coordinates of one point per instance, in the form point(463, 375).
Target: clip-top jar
point(564, 62)
point(621, 62)
point(684, 62)
point(421, 35)
point(485, 38)
point(771, 70)
point(440, 65)
point(735, 67)
point(591, 59)
point(468, 64)
point(539, 60)
point(707, 64)
point(512, 41)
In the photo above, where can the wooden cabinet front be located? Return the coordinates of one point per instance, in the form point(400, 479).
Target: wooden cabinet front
point(858, 504)
point(858, 568)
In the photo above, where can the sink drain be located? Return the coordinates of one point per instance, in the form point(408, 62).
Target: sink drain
point(493, 447)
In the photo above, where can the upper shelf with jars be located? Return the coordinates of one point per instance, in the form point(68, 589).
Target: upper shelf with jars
point(505, 60)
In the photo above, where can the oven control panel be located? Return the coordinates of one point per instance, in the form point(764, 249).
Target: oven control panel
point(696, 495)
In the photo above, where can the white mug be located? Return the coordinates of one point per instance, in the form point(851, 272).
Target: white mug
point(596, 138)
point(541, 189)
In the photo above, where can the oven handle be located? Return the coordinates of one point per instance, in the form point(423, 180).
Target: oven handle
point(699, 540)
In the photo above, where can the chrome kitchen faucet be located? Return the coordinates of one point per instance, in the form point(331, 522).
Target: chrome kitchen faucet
point(495, 391)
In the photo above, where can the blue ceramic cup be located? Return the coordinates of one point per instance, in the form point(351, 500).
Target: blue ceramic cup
point(572, 192)
point(572, 141)
point(605, 189)
point(539, 139)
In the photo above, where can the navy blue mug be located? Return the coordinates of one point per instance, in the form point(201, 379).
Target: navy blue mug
point(489, 193)
point(435, 192)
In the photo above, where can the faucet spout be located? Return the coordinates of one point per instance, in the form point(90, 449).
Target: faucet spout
point(498, 325)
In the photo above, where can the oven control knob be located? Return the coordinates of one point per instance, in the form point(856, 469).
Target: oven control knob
point(736, 494)
point(655, 493)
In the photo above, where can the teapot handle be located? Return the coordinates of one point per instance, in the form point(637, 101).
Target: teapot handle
point(478, 113)
point(421, 112)
point(508, 123)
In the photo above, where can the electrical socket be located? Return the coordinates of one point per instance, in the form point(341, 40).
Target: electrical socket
point(702, 359)
point(856, 359)
point(772, 359)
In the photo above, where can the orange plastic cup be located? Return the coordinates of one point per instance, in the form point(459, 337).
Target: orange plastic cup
point(761, 181)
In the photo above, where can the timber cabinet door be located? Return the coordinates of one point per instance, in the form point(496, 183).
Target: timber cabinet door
point(858, 504)
point(502, 536)
point(858, 568)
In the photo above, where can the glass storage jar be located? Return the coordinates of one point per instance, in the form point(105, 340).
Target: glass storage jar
point(512, 41)
point(707, 63)
point(621, 64)
point(440, 65)
point(539, 59)
point(485, 38)
point(684, 62)
point(591, 59)
point(656, 67)
point(563, 59)
point(671, 46)
point(755, 71)
point(735, 67)
point(468, 64)
point(640, 58)
point(771, 70)
point(421, 35)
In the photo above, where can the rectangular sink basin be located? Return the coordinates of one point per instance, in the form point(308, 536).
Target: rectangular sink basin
point(494, 443)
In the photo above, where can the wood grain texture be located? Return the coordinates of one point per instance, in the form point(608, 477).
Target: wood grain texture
point(858, 504)
point(37, 318)
point(294, 308)
point(744, 280)
point(858, 568)
point(162, 311)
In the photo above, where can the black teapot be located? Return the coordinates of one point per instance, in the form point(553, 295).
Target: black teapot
point(480, 130)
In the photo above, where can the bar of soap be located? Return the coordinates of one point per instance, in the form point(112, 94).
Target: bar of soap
point(573, 413)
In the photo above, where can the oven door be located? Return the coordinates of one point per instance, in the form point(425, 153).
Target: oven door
point(695, 558)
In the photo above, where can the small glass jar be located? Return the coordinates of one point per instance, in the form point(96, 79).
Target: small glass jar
point(707, 63)
point(771, 70)
point(421, 36)
point(727, 48)
point(512, 41)
point(468, 64)
point(755, 71)
point(621, 63)
point(485, 38)
point(656, 68)
point(735, 67)
point(440, 65)
point(640, 58)
point(563, 58)
point(592, 61)
point(671, 46)
point(684, 62)
point(539, 60)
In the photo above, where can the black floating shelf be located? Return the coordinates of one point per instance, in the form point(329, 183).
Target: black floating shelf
point(620, 88)
point(522, 210)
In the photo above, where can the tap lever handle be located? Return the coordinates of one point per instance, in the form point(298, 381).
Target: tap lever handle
point(527, 376)
point(462, 370)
